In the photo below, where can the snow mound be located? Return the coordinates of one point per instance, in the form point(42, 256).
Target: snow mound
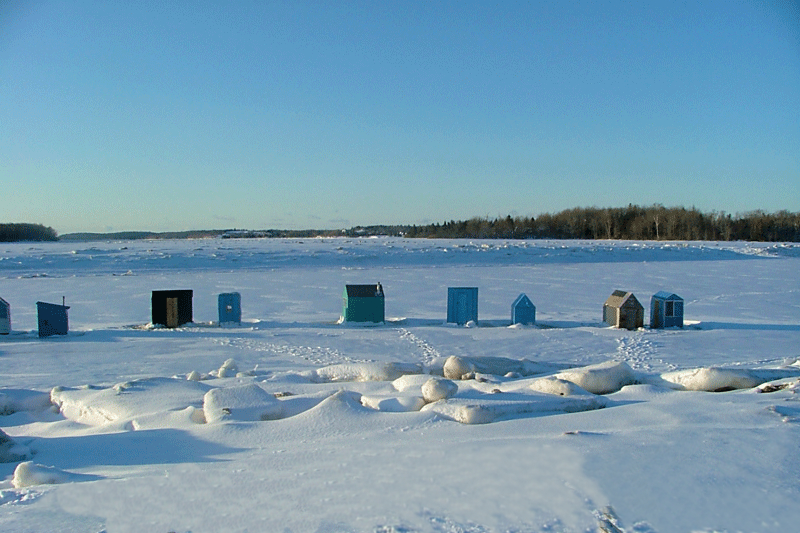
point(228, 369)
point(392, 404)
point(456, 367)
point(14, 400)
point(10, 451)
point(713, 379)
point(557, 386)
point(245, 402)
point(127, 401)
point(484, 411)
point(361, 372)
point(436, 389)
point(29, 474)
point(410, 382)
point(602, 378)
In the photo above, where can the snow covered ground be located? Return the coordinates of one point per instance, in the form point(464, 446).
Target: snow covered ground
point(293, 422)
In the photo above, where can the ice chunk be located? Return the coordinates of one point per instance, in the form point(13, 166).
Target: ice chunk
point(10, 451)
point(393, 404)
point(244, 402)
point(484, 411)
point(362, 372)
point(29, 474)
point(557, 386)
point(436, 389)
point(456, 367)
point(602, 378)
point(713, 379)
point(228, 369)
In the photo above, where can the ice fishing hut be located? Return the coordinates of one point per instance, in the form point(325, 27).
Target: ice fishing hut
point(5, 317)
point(53, 319)
point(364, 303)
point(172, 308)
point(462, 304)
point(230, 308)
point(666, 310)
point(623, 310)
point(523, 311)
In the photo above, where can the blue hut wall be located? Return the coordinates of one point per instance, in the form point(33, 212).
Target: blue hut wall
point(53, 319)
point(5, 317)
point(230, 307)
point(523, 311)
point(666, 310)
point(462, 304)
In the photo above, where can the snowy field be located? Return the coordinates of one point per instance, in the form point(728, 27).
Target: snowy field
point(293, 422)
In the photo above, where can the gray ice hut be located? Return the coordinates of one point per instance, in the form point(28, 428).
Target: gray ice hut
point(53, 319)
point(623, 310)
point(5, 317)
point(364, 303)
point(523, 311)
point(230, 308)
point(462, 304)
point(666, 310)
point(172, 308)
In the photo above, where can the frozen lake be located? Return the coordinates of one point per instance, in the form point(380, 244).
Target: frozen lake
point(348, 443)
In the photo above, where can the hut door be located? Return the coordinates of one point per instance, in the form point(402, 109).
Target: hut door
point(656, 314)
point(462, 308)
point(172, 312)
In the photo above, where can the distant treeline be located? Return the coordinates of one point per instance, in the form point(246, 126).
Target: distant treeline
point(633, 222)
point(26, 232)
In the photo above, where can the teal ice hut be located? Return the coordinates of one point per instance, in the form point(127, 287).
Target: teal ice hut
point(364, 303)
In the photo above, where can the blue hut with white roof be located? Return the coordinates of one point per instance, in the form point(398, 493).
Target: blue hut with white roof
point(666, 310)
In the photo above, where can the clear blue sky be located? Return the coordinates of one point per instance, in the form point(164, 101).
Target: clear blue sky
point(174, 115)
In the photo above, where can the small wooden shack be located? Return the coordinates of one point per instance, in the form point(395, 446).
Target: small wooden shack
point(462, 305)
point(523, 311)
point(230, 308)
point(53, 319)
point(623, 310)
point(666, 310)
point(5, 317)
point(172, 308)
point(364, 303)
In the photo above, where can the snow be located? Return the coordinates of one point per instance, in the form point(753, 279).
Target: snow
point(292, 422)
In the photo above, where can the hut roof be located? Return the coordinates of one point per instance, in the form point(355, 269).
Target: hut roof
point(664, 295)
point(621, 298)
point(523, 300)
point(364, 291)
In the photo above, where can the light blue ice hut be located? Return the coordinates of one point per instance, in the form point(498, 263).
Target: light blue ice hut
point(462, 304)
point(666, 310)
point(523, 311)
point(230, 308)
point(5, 317)
point(53, 319)
point(364, 303)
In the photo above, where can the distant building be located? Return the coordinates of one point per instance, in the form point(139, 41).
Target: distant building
point(5, 317)
point(53, 319)
point(623, 310)
point(172, 308)
point(230, 308)
point(462, 304)
point(523, 311)
point(364, 303)
point(666, 310)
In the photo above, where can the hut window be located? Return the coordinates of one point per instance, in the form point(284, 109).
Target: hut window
point(678, 309)
point(669, 309)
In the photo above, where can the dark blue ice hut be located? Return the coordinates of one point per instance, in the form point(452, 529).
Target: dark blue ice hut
point(230, 308)
point(172, 308)
point(53, 319)
point(5, 317)
point(666, 310)
point(462, 304)
point(364, 303)
point(523, 311)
